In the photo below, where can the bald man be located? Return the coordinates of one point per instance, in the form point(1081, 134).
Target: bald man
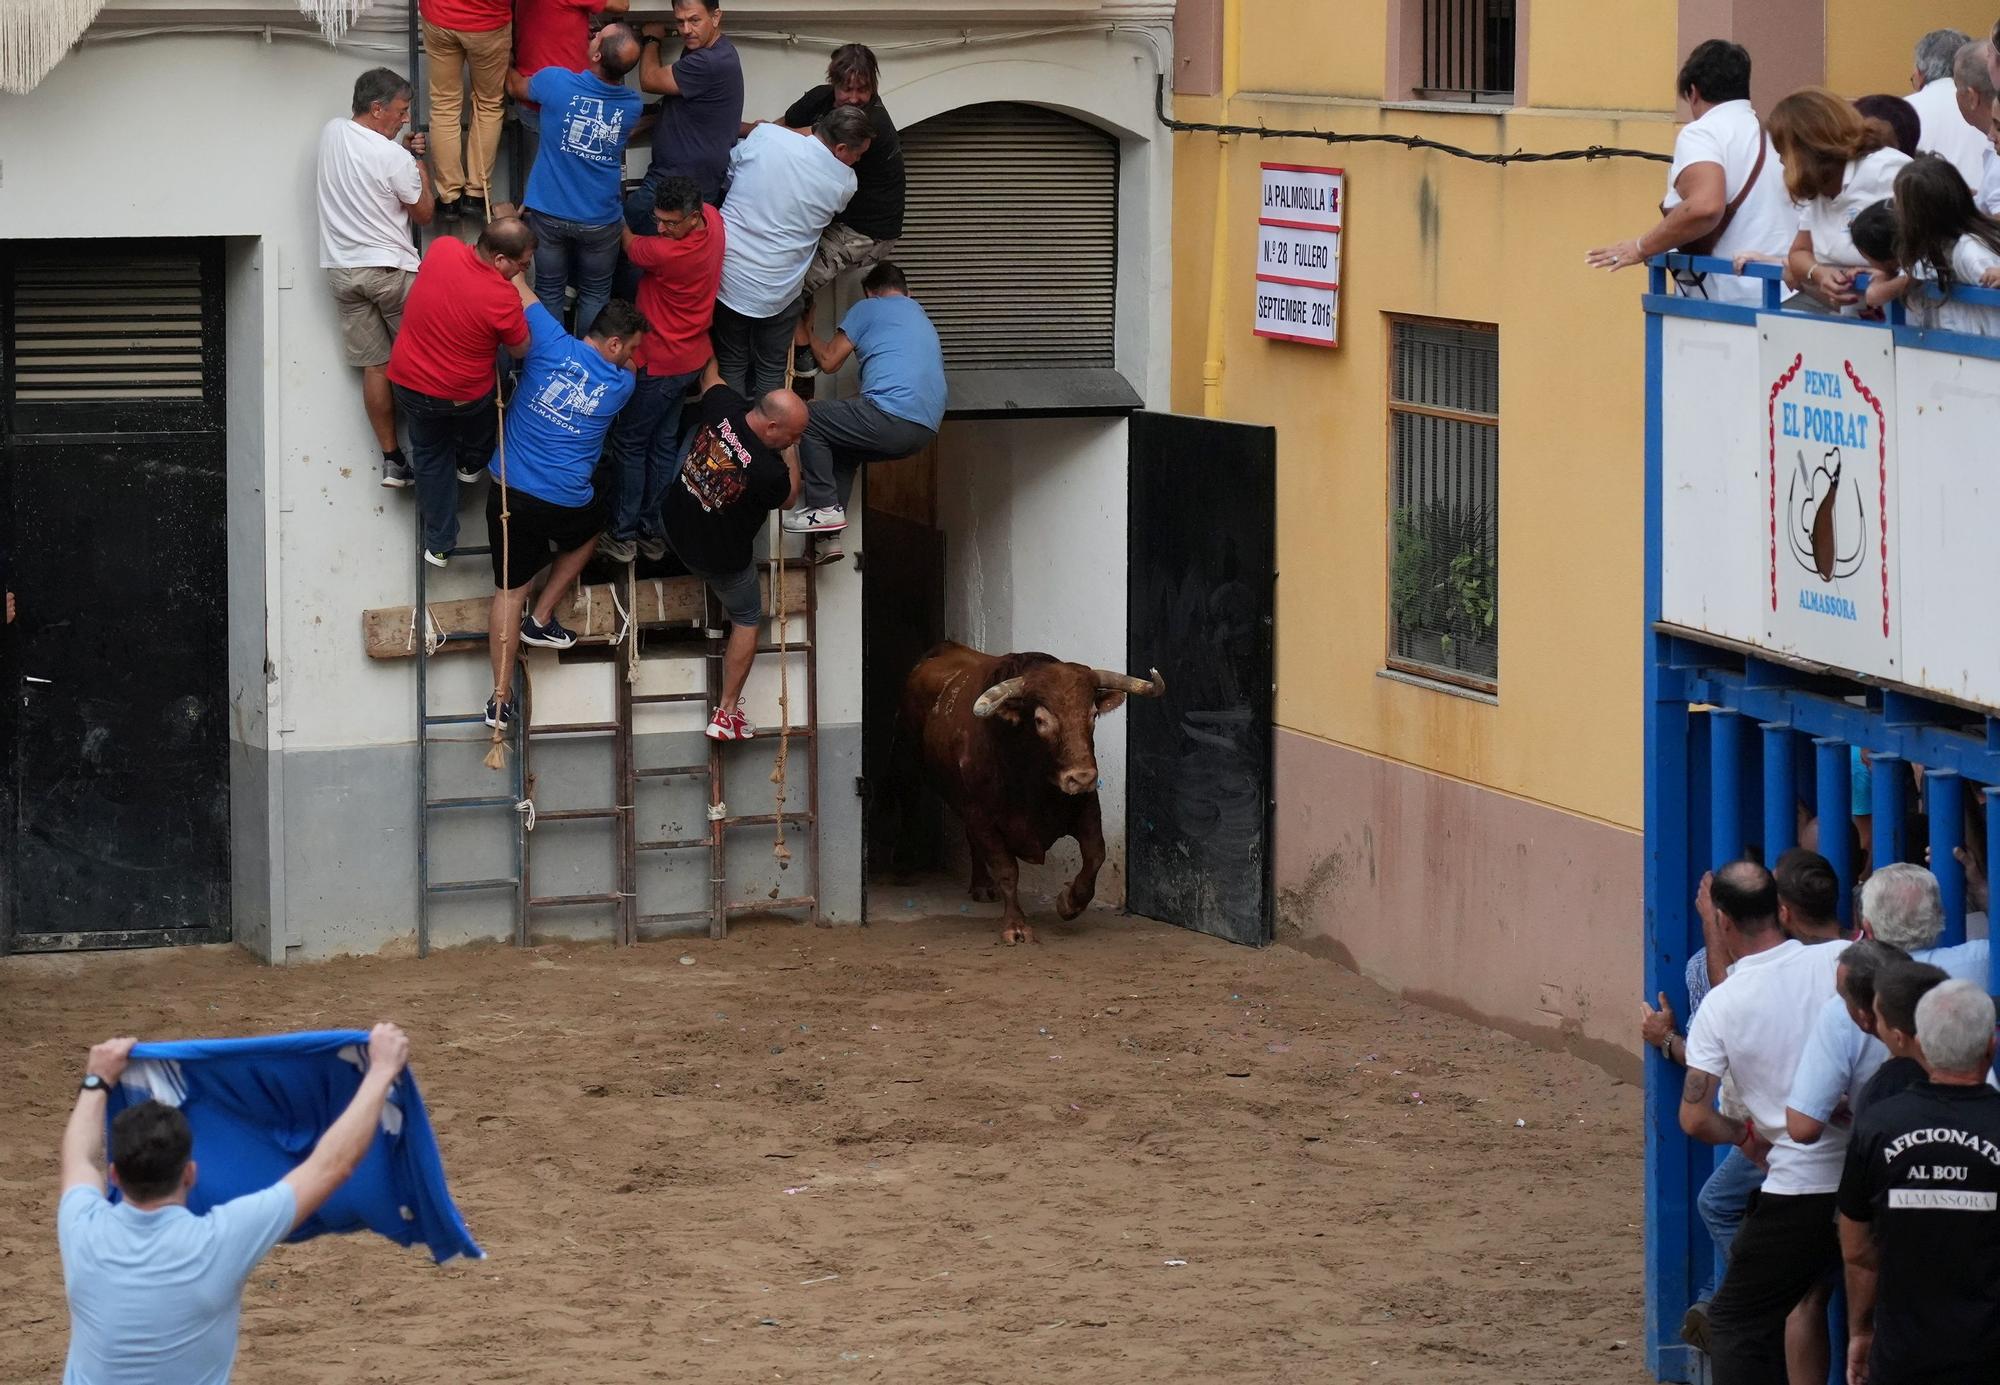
point(741, 464)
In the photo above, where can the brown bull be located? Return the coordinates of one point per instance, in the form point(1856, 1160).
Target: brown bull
point(1008, 741)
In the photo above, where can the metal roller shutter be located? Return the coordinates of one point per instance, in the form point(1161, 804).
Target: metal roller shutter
point(1010, 237)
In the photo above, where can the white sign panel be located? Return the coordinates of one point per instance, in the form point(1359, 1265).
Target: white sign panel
point(1830, 540)
point(1713, 446)
point(1298, 253)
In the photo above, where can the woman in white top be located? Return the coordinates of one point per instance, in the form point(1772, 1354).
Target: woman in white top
point(1943, 239)
point(1836, 163)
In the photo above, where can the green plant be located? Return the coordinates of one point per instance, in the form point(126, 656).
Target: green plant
point(1443, 580)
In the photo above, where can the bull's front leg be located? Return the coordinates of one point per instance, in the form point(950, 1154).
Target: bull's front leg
point(981, 890)
point(1089, 834)
point(1005, 874)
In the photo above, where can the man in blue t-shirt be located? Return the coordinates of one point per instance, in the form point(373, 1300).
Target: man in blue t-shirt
point(574, 188)
point(569, 392)
point(897, 413)
point(702, 114)
point(154, 1290)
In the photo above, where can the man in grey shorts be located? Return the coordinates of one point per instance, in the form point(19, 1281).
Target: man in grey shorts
point(372, 188)
point(740, 465)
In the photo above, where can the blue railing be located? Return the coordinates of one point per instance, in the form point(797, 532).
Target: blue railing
point(1735, 737)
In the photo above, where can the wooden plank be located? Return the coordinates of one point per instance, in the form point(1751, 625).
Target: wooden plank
point(389, 632)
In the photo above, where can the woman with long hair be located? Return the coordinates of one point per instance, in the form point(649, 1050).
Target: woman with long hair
point(1836, 163)
point(1942, 238)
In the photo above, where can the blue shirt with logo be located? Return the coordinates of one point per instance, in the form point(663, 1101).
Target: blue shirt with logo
point(902, 364)
point(561, 410)
point(585, 124)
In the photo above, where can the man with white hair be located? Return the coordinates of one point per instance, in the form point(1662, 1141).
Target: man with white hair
point(1917, 1202)
point(1934, 95)
point(1972, 72)
point(1900, 905)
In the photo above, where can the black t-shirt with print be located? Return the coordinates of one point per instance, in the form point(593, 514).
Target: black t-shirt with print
point(727, 488)
point(1923, 1169)
point(876, 209)
point(1896, 1075)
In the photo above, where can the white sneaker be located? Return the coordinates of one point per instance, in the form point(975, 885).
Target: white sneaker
point(827, 519)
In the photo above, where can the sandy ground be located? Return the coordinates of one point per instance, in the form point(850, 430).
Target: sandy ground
point(904, 1154)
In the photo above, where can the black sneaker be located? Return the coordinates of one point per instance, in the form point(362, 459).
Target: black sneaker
point(449, 209)
point(653, 546)
point(499, 715)
point(616, 549)
point(474, 207)
point(1694, 1326)
point(804, 366)
point(396, 475)
point(550, 636)
point(469, 476)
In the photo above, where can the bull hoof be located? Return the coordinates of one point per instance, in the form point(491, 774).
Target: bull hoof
point(1011, 936)
point(985, 894)
point(1068, 906)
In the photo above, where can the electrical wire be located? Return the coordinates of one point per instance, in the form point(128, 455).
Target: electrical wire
point(1589, 155)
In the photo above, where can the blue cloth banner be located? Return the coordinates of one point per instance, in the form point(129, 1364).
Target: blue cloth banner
point(258, 1106)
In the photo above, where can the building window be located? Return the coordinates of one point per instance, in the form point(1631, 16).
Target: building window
point(1468, 51)
point(1444, 501)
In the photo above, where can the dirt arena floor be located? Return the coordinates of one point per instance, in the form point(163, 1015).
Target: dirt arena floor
point(904, 1153)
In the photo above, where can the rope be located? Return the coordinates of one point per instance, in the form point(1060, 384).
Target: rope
point(526, 808)
point(496, 755)
point(631, 622)
point(779, 850)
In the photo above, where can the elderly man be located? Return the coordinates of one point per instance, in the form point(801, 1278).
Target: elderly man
point(1934, 94)
point(1726, 189)
point(155, 1291)
point(1900, 905)
point(1972, 71)
point(784, 188)
point(699, 119)
point(740, 465)
point(1917, 1197)
point(576, 185)
point(372, 188)
point(1751, 1028)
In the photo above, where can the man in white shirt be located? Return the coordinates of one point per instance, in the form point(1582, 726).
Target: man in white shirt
point(784, 189)
point(1720, 199)
point(1934, 92)
point(372, 187)
point(1972, 71)
point(1751, 1028)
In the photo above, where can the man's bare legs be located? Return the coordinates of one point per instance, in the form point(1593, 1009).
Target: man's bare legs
point(736, 661)
point(381, 405)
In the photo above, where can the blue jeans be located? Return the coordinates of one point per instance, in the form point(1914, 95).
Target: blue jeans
point(566, 249)
point(752, 352)
point(645, 452)
point(443, 437)
point(844, 434)
point(1723, 1201)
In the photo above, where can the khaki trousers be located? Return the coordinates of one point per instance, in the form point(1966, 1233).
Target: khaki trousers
point(465, 164)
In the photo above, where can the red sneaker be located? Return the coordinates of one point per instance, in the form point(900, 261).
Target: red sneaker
point(729, 724)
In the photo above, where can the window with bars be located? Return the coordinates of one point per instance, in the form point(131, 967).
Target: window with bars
point(1444, 501)
point(1468, 51)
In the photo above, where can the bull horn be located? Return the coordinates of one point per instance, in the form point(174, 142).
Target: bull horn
point(1107, 681)
point(990, 700)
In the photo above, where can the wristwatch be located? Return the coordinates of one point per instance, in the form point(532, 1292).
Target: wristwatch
point(93, 1083)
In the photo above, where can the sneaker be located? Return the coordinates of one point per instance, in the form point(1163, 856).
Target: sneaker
point(616, 549)
point(826, 551)
point(1694, 1326)
point(396, 475)
point(804, 366)
point(499, 715)
point(653, 546)
point(729, 724)
point(469, 476)
point(825, 519)
point(435, 558)
point(449, 208)
point(550, 636)
point(471, 206)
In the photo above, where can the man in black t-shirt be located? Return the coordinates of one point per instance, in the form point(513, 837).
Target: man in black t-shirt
point(1920, 1210)
point(1898, 988)
point(741, 464)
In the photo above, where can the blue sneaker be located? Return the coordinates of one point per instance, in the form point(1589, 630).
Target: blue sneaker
point(550, 636)
point(499, 715)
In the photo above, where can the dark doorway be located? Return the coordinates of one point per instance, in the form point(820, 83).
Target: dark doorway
point(1203, 561)
point(118, 726)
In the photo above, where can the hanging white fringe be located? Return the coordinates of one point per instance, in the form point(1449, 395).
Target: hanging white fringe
point(36, 34)
point(334, 16)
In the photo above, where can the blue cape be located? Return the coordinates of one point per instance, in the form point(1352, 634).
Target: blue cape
point(258, 1106)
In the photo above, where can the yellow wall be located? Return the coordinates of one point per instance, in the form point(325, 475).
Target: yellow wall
point(1869, 45)
point(1326, 49)
point(1586, 55)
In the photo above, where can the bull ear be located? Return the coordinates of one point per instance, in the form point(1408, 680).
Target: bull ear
point(1109, 700)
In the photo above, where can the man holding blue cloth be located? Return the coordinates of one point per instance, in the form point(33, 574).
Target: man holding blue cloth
point(575, 190)
point(155, 1290)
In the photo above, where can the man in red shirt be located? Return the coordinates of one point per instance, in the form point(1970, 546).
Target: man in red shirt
point(461, 311)
point(551, 33)
point(461, 34)
point(681, 267)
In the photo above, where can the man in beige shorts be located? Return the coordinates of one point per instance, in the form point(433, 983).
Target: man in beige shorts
point(373, 188)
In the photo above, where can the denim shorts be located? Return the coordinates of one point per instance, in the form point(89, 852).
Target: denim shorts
point(741, 596)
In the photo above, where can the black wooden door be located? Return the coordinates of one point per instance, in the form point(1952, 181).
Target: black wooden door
point(1203, 559)
point(902, 618)
point(116, 467)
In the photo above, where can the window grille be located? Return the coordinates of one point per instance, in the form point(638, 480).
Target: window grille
point(104, 330)
point(1468, 51)
point(1444, 520)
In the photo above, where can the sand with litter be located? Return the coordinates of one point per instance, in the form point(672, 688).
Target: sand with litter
point(904, 1153)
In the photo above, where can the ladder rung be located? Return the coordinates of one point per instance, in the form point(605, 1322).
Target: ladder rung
point(557, 901)
point(701, 916)
point(484, 550)
point(465, 719)
point(680, 844)
point(462, 637)
point(795, 647)
point(575, 728)
point(576, 814)
point(505, 801)
point(498, 882)
point(670, 771)
point(770, 734)
point(753, 906)
point(655, 699)
point(764, 819)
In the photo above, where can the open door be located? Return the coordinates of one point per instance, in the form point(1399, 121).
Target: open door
point(1202, 591)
